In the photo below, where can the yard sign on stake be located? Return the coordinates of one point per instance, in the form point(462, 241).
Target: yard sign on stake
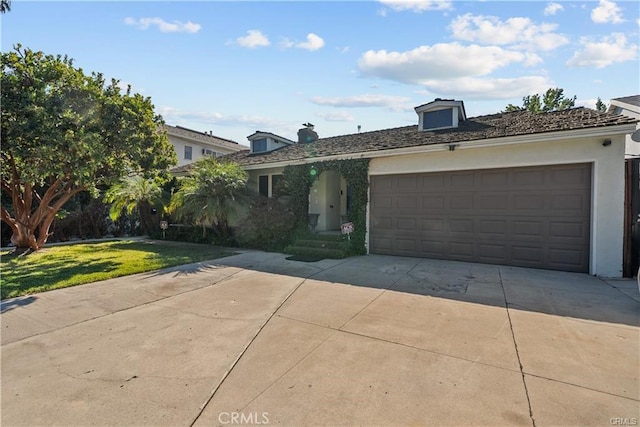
point(347, 228)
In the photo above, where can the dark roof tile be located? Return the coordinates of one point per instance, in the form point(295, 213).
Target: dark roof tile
point(473, 129)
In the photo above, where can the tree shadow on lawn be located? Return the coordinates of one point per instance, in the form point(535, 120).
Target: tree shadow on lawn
point(40, 277)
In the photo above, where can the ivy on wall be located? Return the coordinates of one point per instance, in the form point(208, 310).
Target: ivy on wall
point(299, 179)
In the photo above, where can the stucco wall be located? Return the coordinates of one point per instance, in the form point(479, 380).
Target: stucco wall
point(196, 149)
point(607, 210)
point(254, 174)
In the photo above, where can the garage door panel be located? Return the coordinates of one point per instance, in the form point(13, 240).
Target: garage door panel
point(404, 201)
point(381, 202)
point(458, 180)
point(460, 225)
point(573, 202)
point(532, 217)
point(406, 224)
point(464, 201)
point(461, 249)
point(529, 178)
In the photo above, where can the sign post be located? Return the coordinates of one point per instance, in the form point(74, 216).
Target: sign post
point(164, 225)
point(347, 228)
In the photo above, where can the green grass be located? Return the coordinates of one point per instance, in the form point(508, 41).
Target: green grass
point(62, 266)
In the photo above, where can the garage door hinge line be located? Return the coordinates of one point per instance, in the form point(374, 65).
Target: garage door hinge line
point(515, 344)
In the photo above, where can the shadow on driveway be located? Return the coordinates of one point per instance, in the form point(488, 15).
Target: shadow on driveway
point(558, 293)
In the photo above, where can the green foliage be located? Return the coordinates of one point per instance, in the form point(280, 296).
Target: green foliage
point(64, 132)
point(552, 100)
point(601, 106)
point(268, 225)
point(299, 179)
point(211, 195)
point(133, 192)
point(51, 269)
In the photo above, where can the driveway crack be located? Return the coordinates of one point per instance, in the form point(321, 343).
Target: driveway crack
point(515, 344)
point(242, 352)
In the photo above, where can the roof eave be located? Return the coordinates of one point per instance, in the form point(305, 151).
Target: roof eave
point(604, 131)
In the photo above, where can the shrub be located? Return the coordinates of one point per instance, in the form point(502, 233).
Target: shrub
point(269, 225)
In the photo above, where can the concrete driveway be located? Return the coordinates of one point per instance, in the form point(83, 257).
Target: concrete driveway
point(373, 340)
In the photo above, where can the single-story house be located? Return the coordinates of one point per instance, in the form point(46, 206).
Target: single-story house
point(191, 145)
point(514, 188)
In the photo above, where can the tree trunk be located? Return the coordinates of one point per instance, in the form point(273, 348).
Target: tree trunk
point(24, 237)
point(146, 221)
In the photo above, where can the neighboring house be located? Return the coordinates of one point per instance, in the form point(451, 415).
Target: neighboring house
point(628, 106)
point(191, 145)
point(534, 190)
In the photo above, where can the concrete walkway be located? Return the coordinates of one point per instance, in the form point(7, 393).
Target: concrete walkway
point(373, 340)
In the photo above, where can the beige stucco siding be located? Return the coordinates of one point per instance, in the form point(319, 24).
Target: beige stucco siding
point(607, 186)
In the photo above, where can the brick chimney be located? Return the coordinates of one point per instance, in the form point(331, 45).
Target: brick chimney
point(307, 134)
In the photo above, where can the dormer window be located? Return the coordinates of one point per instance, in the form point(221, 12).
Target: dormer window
point(259, 145)
point(437, 119)
point(264, 142)
point(440, 114)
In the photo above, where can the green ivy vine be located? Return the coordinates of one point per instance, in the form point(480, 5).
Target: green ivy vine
point(299, 179)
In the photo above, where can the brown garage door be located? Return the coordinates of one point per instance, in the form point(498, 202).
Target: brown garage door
point(530, 217)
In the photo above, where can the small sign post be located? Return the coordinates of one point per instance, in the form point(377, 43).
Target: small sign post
point(164, 225)
point(347, 228)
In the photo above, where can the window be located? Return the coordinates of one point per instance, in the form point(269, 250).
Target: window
point(207, 152)
point(263, 185)
point(437, 119)
point(188, 152)
point(277, 186)
point(259, 145)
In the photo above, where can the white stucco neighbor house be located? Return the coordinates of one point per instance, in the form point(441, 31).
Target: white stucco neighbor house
point(628, 106)
point(191, 145)
point(515, 188)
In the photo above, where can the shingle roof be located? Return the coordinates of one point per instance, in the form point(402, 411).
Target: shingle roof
point(203, 137)
point(473, 129)
point(633, 100)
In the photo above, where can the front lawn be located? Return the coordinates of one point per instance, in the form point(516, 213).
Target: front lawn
point(62, 266)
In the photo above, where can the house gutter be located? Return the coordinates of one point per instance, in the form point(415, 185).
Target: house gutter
point(606, 131)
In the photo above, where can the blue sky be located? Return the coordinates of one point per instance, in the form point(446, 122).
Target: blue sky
point(237, 67)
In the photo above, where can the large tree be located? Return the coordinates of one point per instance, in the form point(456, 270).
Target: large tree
point(211, 194)
point(552, 100)
point(64, 132)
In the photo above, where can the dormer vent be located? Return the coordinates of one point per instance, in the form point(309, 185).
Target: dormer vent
point(440, 114)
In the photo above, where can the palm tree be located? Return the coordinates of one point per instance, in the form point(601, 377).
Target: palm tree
point(5, 6)
point(211, 195)
point(135, 192)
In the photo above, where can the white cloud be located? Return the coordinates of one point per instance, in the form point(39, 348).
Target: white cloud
point(487, 88)
point(608, 50)
point(589, 103)
point(313, 42)
point(516, 32)
point(173, 115)
point(553, 8)
point(606, 12)
point(394, 103)
point(336, 116)
point(440, 61)
point(417, 5)
point(163, 26)
point(253, 39)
